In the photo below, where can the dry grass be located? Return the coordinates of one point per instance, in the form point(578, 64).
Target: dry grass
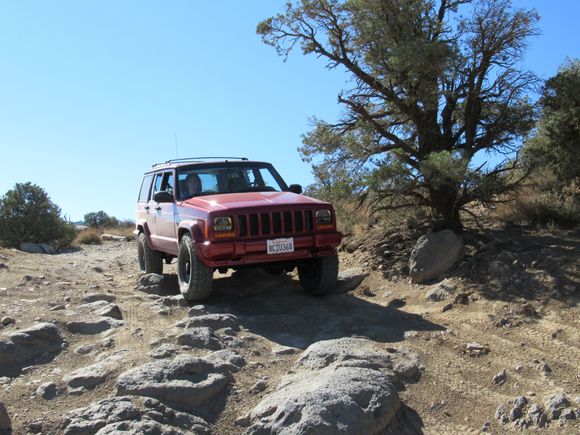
point(88, 236)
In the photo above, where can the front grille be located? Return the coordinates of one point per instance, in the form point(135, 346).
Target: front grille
point(276, 223)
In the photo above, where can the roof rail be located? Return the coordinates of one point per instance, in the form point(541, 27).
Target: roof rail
point(195, 159)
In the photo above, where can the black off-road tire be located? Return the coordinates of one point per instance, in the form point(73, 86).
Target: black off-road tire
point(194, 278)
point(150, 261)
point(318, 276)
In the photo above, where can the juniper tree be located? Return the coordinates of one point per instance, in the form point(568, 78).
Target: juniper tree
point(430, 89)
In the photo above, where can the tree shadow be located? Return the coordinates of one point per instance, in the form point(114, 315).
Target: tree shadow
point(511, 264)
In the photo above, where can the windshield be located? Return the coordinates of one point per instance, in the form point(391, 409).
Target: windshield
point(202, 180)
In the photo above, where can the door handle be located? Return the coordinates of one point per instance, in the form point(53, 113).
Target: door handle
point(158, 208)
point(146, 207)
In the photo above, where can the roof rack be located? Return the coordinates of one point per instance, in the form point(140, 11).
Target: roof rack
point(195, 159)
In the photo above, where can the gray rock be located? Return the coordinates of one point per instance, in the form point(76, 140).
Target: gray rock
point(157, 284)
point(93, 327)
point(437, 294)
point(501, 414)
point(556, 404)
point(213, 321)
point(46, 390)
point(113, 237)
point(515, 413)
point(537, 416)
point(31, 248)
point(500, 378)
point(5, 423)
point(185, 382)
point(521, 401)
point(336, 400)
point(349, 279)
point(7, 320)
point(47, 249)
point(85, 349)
point(164, 351)
point(434, 254)
point(568, 414)
point(173, 301)
point(401, 364)
point(197, 310)
point(93, 297)
point(259, 386)
point(89, 377)
point(200, 338)
point(40, 341)
point(111, 310)
point(130, 415)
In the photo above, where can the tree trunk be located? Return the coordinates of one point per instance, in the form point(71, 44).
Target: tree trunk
point(444, 203)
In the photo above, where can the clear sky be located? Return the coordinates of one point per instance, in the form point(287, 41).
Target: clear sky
point(94, 92)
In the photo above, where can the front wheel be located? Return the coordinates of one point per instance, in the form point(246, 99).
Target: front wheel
point(318, 276)
point(194, 278)
point(150, 261)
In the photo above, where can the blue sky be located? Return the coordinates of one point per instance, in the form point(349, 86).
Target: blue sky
point(93, 92)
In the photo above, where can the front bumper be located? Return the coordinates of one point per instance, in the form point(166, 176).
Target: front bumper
point(253, 251)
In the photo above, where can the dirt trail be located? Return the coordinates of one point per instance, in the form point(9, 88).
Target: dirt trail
point(539, 347)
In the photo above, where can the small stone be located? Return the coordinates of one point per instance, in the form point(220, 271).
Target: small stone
point(501, 414)
point(243, 421)
point(568, 414)
point(7, 320)
point(500, 378)
point(556, 404)
point(515, 413)
point(47, 390)
point(57, 307)
point(486, 426)
point(536, 416)
point(259, 386)
point(521, 401)
point(447, 307)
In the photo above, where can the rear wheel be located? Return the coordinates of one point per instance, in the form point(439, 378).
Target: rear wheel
point(318, 276)
point(150, 261)
point(194, 278)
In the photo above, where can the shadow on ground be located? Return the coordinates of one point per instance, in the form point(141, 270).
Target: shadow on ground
point(276, 308)
point(519, 263)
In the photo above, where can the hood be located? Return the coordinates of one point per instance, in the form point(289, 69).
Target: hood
point(230, 201)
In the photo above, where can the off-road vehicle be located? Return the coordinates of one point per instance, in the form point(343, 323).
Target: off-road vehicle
point(219, 213)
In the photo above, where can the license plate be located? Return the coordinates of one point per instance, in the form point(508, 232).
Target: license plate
point(279, 246)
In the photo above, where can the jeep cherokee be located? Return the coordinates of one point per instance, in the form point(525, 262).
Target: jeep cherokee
point(240, 213)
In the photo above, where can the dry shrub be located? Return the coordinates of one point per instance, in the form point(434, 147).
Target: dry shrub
point(535, 206)
point(88, 236)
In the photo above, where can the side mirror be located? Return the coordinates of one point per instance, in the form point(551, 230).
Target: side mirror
point(295, 188)
point(162, 196)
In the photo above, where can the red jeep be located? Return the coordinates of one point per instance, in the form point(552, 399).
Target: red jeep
point(219, 213)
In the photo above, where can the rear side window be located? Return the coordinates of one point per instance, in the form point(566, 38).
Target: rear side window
point(145, 188)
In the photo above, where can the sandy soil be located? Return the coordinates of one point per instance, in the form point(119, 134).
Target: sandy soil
point(518, 299)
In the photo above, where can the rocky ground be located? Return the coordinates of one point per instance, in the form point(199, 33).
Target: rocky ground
point(88, 346)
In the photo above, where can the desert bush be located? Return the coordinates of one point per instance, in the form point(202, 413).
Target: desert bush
point(89, 236)
point(28, 215)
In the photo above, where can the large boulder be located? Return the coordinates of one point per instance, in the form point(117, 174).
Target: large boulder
point(133, 415)
point(41, 341)
point(185, 382)
point(340, 386)
point(434, 254)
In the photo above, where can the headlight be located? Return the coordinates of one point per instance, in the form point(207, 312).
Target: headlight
point(323, 217)
point(222, 224)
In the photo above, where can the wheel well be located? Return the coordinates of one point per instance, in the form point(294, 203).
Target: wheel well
point(181, 232)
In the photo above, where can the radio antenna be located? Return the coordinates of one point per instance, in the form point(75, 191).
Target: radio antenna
point(176, 148)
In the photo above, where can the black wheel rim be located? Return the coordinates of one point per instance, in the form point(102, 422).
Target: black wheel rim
point(185, 267)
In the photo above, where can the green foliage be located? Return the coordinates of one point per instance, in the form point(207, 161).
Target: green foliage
point(430, 89)
point(100, 219)
point(28, 215)
point(556, 146)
